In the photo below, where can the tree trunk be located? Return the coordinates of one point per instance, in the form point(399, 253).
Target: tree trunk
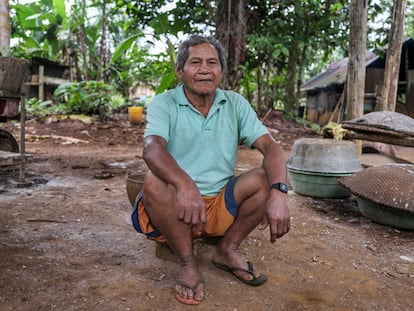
point(355, 89)
point(82, 43)
point(4, 26)
point(231, 20)
point(290, 100)
point(103, 63)
point(259, 90)
point(388, 99)
point(268, 98)
point(299, 80)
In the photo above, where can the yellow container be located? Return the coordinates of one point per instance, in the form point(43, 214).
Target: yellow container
point(135, 114)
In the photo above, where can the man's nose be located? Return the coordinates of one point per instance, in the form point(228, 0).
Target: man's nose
point(204, 67)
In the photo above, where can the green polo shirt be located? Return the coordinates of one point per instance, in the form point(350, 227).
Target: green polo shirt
point(205, 147)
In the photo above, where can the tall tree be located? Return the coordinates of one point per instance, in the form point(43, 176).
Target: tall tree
point(4, 27)
point(81, 36)
point(103, 51)
point(231, 30)
point(286, 36)
point(355, 88)
point(388, 99)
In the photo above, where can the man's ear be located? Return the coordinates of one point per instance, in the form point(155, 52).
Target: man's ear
point(178, 71)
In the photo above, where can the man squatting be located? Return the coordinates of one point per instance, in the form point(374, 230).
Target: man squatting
point(190, 147)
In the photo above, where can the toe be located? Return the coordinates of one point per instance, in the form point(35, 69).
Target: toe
point(199, 292)
point(189, 296)
point(183, 291)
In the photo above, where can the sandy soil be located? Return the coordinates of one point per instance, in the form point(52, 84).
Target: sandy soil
point(66, 241)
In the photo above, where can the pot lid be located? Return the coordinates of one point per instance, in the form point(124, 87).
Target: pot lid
point(382, 122)
point(391, 185)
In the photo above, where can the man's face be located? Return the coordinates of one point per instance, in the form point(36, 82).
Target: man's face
point(202, 71)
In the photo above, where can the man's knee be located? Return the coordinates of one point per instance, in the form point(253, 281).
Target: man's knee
point(253, 183)
point(259, 179)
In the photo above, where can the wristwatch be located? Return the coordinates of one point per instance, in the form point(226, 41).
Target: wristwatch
point(280, 186)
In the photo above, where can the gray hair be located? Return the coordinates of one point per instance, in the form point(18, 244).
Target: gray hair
point(182, 54)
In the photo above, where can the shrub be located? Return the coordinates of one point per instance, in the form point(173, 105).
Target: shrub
point(86, 97)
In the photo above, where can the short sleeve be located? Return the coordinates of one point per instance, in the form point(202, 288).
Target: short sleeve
point(159, 116)
point(251, 128)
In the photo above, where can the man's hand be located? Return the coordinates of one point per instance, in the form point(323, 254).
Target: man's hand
point(191, 208)
point(277, 216)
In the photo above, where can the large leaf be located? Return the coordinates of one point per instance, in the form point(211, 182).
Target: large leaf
point(160, 24)
point(60, 8)
point(166, 82)
point(31, 42)
point(123, 46)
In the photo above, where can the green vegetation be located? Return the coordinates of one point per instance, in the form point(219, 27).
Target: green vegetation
point(112, 46)
point(86, 97)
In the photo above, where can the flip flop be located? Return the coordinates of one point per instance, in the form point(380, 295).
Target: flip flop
point(256, 281)
point(188, 301)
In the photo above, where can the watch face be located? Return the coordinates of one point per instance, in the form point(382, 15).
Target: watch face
point(280, 186)
point(283, 188)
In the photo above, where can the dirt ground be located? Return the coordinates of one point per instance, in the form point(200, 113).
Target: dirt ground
point(67, 243)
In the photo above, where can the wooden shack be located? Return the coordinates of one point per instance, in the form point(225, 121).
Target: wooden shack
point(13, 72)
point(324, 91)
point(45, 77)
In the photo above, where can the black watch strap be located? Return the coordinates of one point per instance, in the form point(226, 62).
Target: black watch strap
point(280, 186)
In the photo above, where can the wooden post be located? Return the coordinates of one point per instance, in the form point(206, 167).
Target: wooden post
point(22, 137)
point(388, 99)
point(355, 87)
point(41, 82)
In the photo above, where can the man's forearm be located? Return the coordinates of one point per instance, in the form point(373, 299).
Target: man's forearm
point(274, 164)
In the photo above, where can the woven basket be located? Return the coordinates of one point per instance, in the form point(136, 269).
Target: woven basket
point(390, 185)
point(134, 184)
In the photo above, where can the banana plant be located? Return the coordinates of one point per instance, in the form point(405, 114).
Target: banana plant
point(37, 26)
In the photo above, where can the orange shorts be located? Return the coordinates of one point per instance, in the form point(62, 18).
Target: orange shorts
point(220, 213)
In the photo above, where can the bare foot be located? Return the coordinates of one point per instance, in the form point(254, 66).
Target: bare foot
point(190, 289)
point(242, 269)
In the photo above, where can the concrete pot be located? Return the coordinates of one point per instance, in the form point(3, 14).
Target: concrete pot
point(324, 156)
point(318, 185)
point(315, 165)
point(385, 215)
